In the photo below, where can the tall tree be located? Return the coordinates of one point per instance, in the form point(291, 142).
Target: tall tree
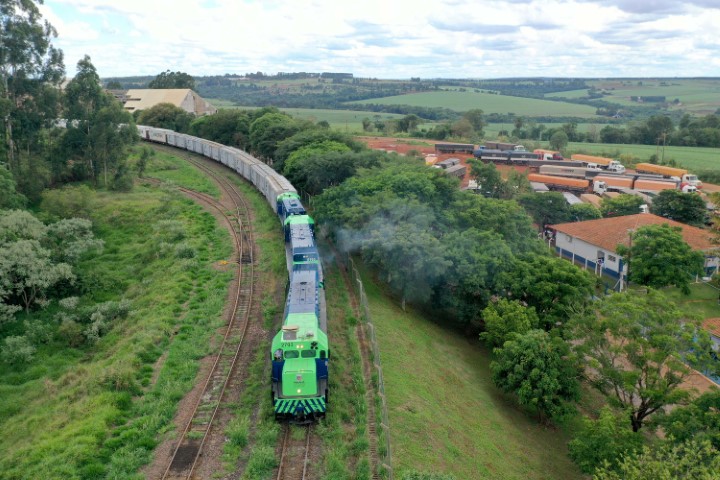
point(659, 257)
point(31, 69)
point(476, 118)
point(546, 208)
point(558, 140)
point(553, 286)
point(682, 207)
point(98, 130)
point(168, 79)
point(633, 346)
point(167, 115)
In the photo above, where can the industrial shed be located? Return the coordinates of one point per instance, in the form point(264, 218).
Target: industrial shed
point(593, 243)
point(188, 100)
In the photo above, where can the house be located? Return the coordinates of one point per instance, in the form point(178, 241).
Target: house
point(188, 100)
point(593, 243)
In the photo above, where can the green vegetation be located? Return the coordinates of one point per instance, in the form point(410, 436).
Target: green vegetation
point(167, 167)
point(692, 158)
point(463, 101)
point(643, 373)
point(445, 414)
point(101, 405)
point(348, 120)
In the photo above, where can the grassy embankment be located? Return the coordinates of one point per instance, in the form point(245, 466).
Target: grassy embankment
point(445, 414)
point(96, 410)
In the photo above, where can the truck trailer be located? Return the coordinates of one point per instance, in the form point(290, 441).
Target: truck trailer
point(548, 154)
point(504, 146)
point(679, 174)
point(603, 162)
point(568, 184)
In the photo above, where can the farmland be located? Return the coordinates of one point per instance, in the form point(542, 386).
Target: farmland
point(692, 158)
point(695, 96)
point(489, 103)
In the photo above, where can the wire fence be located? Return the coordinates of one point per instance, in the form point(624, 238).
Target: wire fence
point(384, 433)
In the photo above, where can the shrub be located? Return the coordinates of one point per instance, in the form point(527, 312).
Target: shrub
point(17, 350)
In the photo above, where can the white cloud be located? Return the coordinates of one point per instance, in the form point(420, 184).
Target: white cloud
point(381, 38)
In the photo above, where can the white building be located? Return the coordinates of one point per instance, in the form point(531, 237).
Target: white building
point(593, 243)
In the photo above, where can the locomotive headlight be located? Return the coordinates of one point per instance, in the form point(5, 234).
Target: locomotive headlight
point(299, 390)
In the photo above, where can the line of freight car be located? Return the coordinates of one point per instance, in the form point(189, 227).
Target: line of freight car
point(528, 159)
point(566, 184)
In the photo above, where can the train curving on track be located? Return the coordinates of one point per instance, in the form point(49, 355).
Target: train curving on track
point(300, 351)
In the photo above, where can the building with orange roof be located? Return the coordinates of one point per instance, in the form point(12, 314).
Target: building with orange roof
point(593, 243)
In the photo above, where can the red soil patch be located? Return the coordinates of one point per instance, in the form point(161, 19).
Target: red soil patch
point(426, 147)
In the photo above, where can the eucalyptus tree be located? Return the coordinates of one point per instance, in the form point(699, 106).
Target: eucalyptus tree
point(31, 70)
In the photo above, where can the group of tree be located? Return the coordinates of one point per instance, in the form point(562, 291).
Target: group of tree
point(92, 146)
point(168, 79)
point(37, 151)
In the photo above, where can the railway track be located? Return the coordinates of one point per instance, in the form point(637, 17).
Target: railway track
point(297, 453)
point(189, 451)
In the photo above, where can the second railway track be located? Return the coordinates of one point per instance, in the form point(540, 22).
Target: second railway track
point(224, 379)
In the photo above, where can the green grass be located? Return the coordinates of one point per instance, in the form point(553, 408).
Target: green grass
point(83, 413)
point(170, 168)
point(489, 103)
point(569, 94)
point(445, 414)
point(702, 300)
point(692, 158)
point(696, 96)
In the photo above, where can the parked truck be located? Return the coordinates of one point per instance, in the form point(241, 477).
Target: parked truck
point(504, 146)
point(569, 184)
point(548, 154)
point(679, 174)
point(638, 182)
point(575, 172)
point(603, 162)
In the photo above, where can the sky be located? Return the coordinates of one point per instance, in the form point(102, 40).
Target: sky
point(392, 38)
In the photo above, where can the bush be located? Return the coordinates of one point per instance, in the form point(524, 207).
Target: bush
point(17, 350)
point(603, 441)
point(69, 201)
point(183, 250)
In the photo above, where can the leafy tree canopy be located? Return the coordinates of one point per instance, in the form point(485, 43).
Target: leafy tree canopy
point(166, 115)
point(540, 370)
point(632, 345)
point(504, 319)
point(699, 420)
point(168, 79)
point(621, 205)
point(554, 287)
point(681, 207)
point(547, 208)
point(660, 257)
point(690, 460)
point(603, 441)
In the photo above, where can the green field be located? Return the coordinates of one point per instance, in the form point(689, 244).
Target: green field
point(696, 96)
point(445, 413)
point(692, 158)
point(489, 103)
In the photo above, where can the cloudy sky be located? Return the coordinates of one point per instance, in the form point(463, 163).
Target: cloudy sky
point(392, 38)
